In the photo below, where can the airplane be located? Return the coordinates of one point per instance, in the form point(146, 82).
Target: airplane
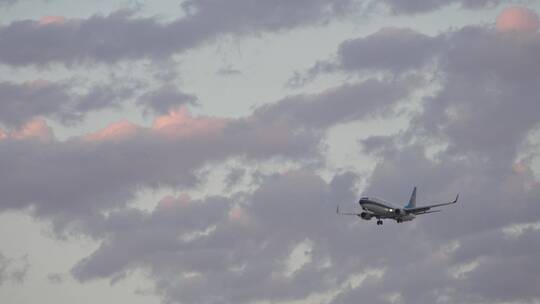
point(379, 209)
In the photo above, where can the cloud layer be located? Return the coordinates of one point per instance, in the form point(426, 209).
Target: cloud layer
point(471, 105)
point(121, 35)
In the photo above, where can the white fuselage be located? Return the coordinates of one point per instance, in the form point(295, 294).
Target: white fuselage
point(381, 209)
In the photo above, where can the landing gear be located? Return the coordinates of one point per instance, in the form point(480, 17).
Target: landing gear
point(399, 221)
point(379, 222)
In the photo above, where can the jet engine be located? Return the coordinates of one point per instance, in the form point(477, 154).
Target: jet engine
point(366, 216)
point(398, 211)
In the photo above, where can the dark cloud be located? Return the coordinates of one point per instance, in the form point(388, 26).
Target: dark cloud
point(393, 49)
point(488, 81)
point(479, 119)
point(83, 176)
point(19, 102)
point(422, 6)
point(241, 248)
point(246, 246)
point(465, 136)
point(120, 35)
point(78, 179)
point(165, 99)
point(461, 254)
point(7, 2)
point(346, 103)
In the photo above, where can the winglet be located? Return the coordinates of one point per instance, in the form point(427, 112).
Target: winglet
point(455, 201)
point(337, 209)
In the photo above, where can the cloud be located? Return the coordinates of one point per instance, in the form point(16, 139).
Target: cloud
point(7, 2)
point(61, 100)
point(235, 248)
point(392, 49)
point(73, 181)
point(49, 20)
point(114, 131)
point(36, 128)
point(422, 6)
point(486, 77)
point(179, 122)
point(518, 19)
point(122, 36)
point(468, 134)
point(486, 80)
point(165, 99)
point(366, 99)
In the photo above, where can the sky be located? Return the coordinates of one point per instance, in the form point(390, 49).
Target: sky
point(195, 151)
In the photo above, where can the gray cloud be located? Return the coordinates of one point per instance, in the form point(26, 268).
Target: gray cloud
point(120, 35)
point(164, 99)
point(217, 249)
point(461, 255)
point(482, 114)
point(255, 239)
point(7, 2)
point(369, 98)
point(427, 268)
point(81, 177)
point(392, 50)
point(422, 6)
point(489, 77)
point(23, 101)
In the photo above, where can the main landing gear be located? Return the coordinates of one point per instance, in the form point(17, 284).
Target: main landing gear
point(379, 222)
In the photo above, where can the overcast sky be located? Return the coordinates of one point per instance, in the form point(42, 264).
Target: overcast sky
point(194, 151)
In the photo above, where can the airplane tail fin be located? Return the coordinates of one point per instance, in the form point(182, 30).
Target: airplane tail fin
point(412, 200)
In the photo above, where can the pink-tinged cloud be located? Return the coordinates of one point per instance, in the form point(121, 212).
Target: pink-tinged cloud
point(518, 19)
point(48, 20)
point(170, 201)
point(37, 83)
point(239, 215)
point(179, 122)
point(3, 134)
point(36, 128)
point(118, 130)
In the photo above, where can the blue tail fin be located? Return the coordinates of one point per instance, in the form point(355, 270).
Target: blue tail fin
point(412, 200)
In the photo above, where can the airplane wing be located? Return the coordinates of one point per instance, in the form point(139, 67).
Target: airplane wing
point(425, 209)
